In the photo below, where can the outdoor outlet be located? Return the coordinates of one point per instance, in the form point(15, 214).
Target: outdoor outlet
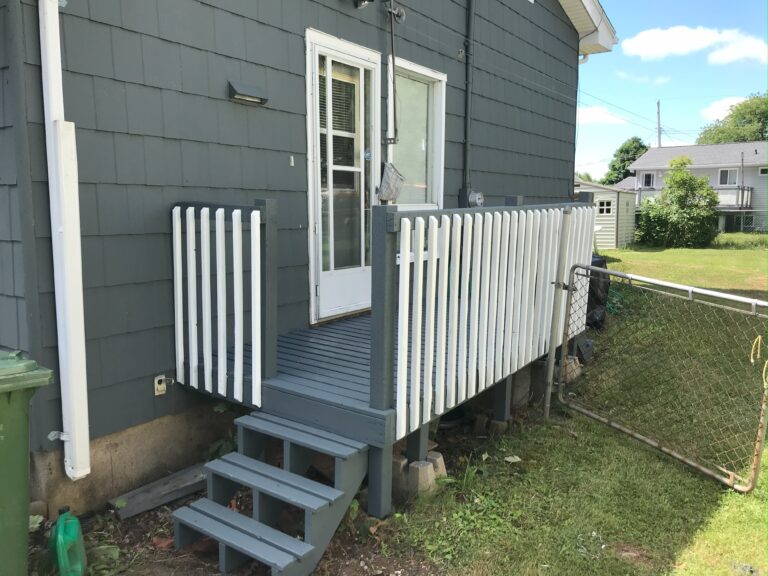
point(161, 384)
point(292, 161)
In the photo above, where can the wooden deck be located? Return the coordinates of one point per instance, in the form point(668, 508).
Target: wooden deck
point(330, 362)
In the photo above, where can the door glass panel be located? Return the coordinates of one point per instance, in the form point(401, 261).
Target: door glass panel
point(367, 163)
point(411, 153)
point(324, 201)
point(346, 219)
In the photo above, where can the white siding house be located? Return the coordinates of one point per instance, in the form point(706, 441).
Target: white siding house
point(614, 214)
point(738, 172)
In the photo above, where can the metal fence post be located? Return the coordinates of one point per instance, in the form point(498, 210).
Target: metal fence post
point(562, 262)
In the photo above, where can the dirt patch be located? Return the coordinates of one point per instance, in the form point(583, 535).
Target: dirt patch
point(143, 545)
point(632, 554)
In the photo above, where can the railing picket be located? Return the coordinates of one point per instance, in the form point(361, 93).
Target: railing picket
point(466, 262)
point(451, 382)
point(525, 296)
point(501, 298)
point(256, 308)
point(205, 280)
point(510, 309)
point(541, 277)
point(221, 302)
point(483, 321)
point(532, 281)
point(237, 258)
point(178, 293)
point(474, 305)
point(192, 296)
point(402, 328)
point(518, 318)
point(493, 290)
point(429, 319)
point(416, 328)
point(556, 219)
point(443, 244)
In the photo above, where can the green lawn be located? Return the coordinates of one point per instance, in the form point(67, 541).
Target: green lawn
point(586, 500)
point(736, 263)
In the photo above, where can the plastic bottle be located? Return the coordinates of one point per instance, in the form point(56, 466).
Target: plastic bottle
point(66, 546)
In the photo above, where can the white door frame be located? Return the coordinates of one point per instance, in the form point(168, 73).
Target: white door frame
point(321, 43)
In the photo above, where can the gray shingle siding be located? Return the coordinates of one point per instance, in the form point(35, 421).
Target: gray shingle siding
point(145, 81)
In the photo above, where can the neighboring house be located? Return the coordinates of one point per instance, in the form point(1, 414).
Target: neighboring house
point(627, 184)
point(148, 123)
point(738, 172)
point(614, 216)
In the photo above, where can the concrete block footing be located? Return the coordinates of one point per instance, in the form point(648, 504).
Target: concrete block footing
point(421, 478)
point(414, 478)
point(497, 427)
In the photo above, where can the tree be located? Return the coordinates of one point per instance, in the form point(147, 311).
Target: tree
point(585, 176)
point(685, 213)
point(746, 122)
point(627, 153)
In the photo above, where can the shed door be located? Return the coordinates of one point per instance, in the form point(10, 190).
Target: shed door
point(343, 100)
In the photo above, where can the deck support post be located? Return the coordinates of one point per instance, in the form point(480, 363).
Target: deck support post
point(380, 481)
point(416, 444)
point(502, 399)
point(383, 311)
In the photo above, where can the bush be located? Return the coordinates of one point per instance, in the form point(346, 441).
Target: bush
point(683, 215)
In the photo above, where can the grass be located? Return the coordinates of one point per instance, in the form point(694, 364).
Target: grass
point(587, 500)
point(735, 263)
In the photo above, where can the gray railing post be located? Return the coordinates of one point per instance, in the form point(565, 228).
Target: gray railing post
point(383, 310)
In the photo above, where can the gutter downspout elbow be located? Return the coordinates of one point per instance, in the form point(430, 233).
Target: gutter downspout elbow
point(61, 151)
point(584, 58)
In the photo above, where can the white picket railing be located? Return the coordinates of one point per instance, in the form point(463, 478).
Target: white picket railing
point(187, 249)
point(477, 304)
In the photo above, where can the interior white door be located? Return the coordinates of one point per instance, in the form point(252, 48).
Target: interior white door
point(343, 186)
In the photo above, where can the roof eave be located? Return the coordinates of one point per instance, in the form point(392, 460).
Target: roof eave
point(596, 33)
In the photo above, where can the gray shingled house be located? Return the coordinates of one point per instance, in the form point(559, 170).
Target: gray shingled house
point(190, 208)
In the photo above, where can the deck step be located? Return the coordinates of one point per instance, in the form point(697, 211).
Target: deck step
point(293, 546)
point(280, 484)
point(302, 435)
point(239, 538)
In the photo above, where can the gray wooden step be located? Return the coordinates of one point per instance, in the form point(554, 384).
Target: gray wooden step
point(235, 538)
point(297, 548)
point(301, 435)
point(280, 484)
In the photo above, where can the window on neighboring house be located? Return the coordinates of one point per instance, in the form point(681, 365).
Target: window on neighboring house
point(419, 151)
point(648, 180)
point(763, 171)
point(728, 176)
point(604, 206)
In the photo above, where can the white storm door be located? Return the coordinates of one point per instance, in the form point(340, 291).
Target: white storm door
point(344, 162)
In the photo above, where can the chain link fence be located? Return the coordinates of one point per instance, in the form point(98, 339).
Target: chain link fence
point(678, 368)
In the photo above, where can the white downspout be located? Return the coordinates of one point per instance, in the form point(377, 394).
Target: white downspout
point(67, 258)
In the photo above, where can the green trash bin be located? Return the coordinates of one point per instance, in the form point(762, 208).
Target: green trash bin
point(19, 379)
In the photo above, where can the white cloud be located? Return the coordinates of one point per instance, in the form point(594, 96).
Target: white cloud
point(719, 108)
point(726, 46)
point(597, 115)
point(655, 80)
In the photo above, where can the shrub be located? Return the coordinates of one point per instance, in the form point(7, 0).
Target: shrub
point(684, 214)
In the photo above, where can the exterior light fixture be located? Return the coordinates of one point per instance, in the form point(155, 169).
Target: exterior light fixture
point(246, 94)
point(362, 3)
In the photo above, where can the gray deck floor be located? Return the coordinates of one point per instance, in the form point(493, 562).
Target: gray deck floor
point(331, 362)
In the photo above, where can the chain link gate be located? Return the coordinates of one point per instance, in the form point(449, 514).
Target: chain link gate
point(679, 368)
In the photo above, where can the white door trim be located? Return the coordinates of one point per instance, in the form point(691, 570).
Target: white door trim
point(316, 41)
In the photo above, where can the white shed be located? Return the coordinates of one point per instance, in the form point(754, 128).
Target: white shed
point(615, 217)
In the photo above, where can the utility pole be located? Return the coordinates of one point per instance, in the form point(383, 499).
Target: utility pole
point(658, 122)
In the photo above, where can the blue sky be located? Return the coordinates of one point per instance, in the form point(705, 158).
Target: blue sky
point(697, 57)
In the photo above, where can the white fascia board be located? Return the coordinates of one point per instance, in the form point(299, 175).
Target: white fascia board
point(595, 30)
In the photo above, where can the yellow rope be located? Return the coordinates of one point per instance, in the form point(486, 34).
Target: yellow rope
point(756, 346)
point(765, 372)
